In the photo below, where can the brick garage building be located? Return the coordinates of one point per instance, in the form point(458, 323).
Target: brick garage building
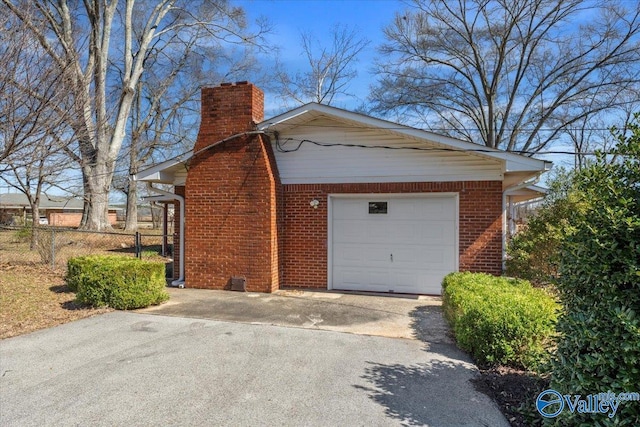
point(320, 197)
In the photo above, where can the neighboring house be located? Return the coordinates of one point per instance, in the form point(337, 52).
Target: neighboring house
point(320, 197)
point(56, 211)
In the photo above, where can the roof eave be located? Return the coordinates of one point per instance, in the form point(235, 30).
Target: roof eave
point(162, 173)
point(513, 162)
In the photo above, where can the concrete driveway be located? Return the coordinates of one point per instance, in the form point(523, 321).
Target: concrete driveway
point(136, 369)
point(398, 316)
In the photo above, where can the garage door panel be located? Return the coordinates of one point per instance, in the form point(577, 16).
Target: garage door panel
point(355, 277)
point(428, 282)
point(363, 232)
point(375, 232)
point(421, 258)
point(423, 209)
point(416, 232)
point(408, 249)
point(354, 254)
point(348, 231)
point(349, 209)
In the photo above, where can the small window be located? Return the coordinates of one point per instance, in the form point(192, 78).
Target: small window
point(377, 207)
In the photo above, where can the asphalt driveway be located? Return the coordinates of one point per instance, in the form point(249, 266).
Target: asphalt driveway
point(125, 368)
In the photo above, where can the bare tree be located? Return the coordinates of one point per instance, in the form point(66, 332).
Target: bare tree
point(330, 68)
point(508, 74)
point(32, 131)
point(166, 109)
point(30, 88)
point(40, 167)
point(103, 45)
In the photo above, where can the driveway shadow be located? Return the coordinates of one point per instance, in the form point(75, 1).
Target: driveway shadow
point(434, 394)
point(429, 326)
point(437, 393)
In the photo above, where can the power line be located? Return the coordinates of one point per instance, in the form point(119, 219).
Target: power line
point(280, 148)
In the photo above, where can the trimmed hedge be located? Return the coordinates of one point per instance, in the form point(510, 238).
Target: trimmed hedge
point(119, 282)
point(500, 320)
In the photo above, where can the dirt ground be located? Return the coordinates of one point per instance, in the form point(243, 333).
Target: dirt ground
point(515, 393)
point(33, 295)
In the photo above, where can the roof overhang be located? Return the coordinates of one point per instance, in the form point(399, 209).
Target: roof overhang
point(526, 194)
point(513, 162)
point(517, 168)
point(47, 202)
point(165, 172)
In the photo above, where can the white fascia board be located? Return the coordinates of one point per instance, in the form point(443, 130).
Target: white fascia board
point(162, 172)
point(282, 118)
point(513, 162)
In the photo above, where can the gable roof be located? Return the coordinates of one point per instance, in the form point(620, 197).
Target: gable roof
point(312, 111)
point(517, 168)
point(528, 193)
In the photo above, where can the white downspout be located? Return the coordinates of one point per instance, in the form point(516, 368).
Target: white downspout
point(172, 196)
point(504, 231)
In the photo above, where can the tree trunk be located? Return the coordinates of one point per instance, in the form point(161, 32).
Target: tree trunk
point(35, 225)
point(97, 200)
point(131, 220)
point(156, 213)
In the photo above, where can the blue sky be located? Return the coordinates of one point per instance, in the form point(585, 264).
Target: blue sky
point(289, 17)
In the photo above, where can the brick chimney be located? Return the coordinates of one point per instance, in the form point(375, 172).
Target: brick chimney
point(227, 110)
point(231, 195)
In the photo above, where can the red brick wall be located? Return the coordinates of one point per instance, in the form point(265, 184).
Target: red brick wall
point(306, 229)
point(72, 219)
point(240, 221)
point(232, 195)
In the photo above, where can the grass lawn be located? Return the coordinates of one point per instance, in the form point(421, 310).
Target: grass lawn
point(34, 297)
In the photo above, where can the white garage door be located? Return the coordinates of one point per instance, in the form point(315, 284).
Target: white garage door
point(393, 244)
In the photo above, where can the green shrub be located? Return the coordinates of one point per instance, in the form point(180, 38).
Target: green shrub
point(599, 345)
point(533, 253)
point(24, 233)
point(499, 320)
point(122, 283)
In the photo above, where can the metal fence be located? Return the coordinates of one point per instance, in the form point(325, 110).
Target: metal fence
point(54, 246)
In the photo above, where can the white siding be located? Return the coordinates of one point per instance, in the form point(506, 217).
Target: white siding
point(315, 164)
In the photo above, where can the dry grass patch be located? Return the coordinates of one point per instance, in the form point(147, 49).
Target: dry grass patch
point(34, 297)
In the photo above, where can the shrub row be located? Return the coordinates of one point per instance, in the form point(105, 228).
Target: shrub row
point(500, 320)
point(119, 282)
point(599, 285)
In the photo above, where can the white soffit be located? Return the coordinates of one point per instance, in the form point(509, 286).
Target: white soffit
point(165, 172)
